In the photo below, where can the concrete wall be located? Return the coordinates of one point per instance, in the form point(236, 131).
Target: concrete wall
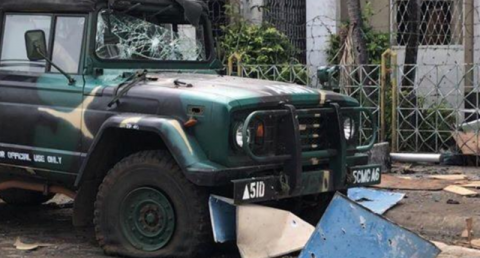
point(322, 17)
point(476, 32)
point(321, 22)
point(380, 21)
point(438, 76)
point(251, 12)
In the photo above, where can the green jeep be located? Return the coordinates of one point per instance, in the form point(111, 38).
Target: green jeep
point(116, 103)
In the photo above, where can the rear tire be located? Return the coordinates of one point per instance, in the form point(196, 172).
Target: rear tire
point(22, 197)
point(147, 208)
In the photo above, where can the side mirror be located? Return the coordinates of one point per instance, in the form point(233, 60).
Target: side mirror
point(37, 50)
point(36, 45)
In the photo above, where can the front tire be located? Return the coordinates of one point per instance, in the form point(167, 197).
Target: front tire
point(146, 208)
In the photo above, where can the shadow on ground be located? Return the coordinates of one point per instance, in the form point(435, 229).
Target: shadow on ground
point(48, 224)
point(51, 225)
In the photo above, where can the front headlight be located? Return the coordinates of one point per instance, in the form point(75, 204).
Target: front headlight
point(349, 128)
point(239, 135)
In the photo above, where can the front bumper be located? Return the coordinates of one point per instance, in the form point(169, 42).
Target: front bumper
point(294, 158)
point(251, 184)
point(225, 176)
point(275, 187)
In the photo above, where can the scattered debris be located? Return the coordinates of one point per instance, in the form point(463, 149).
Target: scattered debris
point(475, 243)
point(348, 229)
point(402, 168)
point(374, 200)
point(380, 154)
point(468, 142)
point(456, 251)
point(416, 157)
point(473, 184)
point(460, 190)
point(260, 232)
point(452, 159)
point(393, 182)
point(19, 245)
point(425, 169)
point(469, 229)
point(449, 177)
point(24, 247)
point(454, 202)
point(406, 177)
point(264, 232)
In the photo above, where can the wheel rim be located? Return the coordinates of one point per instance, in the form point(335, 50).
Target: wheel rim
point(147, 219)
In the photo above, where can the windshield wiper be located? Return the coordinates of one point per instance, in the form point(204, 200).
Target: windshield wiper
point(179, 83)
point(123, 88)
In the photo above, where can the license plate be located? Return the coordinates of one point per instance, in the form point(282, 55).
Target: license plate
point(255, 190)
point(366, 175)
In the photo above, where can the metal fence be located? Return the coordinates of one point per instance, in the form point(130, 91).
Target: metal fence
point(296, 73)
point(431, 106)
point(362, 82)
point(289, 16)
point(217, 14)
point(439, 113)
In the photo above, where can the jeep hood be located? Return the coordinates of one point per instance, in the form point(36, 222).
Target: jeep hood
point(238, 92)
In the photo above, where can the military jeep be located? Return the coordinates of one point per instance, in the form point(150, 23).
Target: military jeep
point(118, 105)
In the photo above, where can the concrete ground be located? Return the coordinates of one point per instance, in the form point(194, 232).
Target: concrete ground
point(436, 215)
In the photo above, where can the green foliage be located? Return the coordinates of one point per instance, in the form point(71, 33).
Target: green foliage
point(335, 45)
point(259, 44)
point(434, 120)
point(267, 53)
point(377, 42)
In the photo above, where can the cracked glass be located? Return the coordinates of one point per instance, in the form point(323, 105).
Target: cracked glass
point(124, 37)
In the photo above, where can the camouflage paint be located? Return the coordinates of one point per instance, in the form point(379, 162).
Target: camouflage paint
point(42, 116)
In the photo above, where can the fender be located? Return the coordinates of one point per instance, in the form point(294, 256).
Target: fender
point(184, 148)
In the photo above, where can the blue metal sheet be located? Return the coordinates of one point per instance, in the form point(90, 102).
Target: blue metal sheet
point(374, 200)
point(223, 217)
point(348, 230)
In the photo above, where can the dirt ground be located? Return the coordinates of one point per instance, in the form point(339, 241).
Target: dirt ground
point(436, 215)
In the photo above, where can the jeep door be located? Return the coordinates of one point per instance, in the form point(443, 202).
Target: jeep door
point(40, 113)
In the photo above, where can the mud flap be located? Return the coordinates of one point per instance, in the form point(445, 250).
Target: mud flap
point(348, 229)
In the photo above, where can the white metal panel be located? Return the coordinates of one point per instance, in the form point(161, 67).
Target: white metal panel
point(264, 232)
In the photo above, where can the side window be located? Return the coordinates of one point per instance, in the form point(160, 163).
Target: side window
point(14, 56)
point(68, 41)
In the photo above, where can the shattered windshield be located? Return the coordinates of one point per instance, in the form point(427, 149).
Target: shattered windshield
point(124, 37)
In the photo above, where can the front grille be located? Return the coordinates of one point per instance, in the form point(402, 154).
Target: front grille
point(315, 127)
point(314, 132)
